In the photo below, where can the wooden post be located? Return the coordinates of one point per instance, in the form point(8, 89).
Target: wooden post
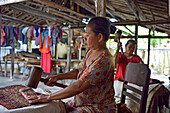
point(100, 8)
point(69, 50)
point(169, 8)
point(0, 38)
point(136, 37)
point(5, 71)
point(12, 63)
point(149, 40)
point(169, 13)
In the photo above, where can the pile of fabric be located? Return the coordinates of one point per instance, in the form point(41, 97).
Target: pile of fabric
point(15, 96)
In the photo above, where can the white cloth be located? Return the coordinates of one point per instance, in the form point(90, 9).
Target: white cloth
point(118, 90)
point(51, 107)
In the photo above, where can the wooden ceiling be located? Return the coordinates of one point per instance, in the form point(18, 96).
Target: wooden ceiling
point(153, 14)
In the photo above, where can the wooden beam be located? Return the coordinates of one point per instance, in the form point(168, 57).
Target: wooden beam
point(16, 20)
point(84, 5)
point(132, 7)
point(168, 8)
point(5, 2)
point(100, 8)
point(142, 22)
point(158, 4)
point(35, 12)
point(136, 10)
point(60, 7)
point(64, 15)
point(143, 36)
point(24, 11)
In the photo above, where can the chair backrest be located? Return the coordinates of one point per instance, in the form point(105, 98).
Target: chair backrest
point(138, 74)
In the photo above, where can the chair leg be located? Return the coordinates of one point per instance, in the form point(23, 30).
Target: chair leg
point(24, 72)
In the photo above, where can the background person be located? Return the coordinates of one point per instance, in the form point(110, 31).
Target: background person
point(121, 61)
point(93, 91)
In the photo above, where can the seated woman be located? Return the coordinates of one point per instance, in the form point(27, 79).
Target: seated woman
point(121, 60)
point(93, 91)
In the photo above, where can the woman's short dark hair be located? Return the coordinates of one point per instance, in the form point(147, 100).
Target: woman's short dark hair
point(100, 25)
point(131, 41)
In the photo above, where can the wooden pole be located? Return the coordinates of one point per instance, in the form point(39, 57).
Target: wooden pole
point(12, 63)
point(149, 41)
point(136, 37)
point(168, 8)
point(0, 38)
point(100, 8)
point(69, 50)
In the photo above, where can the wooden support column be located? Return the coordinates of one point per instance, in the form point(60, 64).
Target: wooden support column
point(136, 37)
point(168, 8)
point(0, 38)
point(12, 63)
point(149, 41)
point(168, 14)
point(100, 8)
point(69, 50)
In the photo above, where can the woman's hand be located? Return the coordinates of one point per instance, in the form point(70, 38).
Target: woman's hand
point(119, 45)
point(39, 98)
point(51, 80)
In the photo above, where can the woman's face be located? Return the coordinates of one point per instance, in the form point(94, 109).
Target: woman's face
point(130, 48)
point(90, 38)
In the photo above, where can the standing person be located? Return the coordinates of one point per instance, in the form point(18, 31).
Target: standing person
point(121, 60)
point(93, 91)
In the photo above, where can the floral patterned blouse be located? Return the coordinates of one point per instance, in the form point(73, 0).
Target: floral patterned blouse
point(100, 97)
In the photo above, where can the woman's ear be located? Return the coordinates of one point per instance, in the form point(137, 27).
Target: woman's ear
point(100, 37)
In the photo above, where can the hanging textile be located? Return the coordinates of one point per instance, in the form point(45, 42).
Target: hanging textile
point(45, 51)
point(9, 37)
point(2, 34)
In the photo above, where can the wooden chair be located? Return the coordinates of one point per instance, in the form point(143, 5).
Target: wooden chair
point(138, 74)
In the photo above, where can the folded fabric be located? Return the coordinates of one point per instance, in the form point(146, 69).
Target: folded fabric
point(27, 92)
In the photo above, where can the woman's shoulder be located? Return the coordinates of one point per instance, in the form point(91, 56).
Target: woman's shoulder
point(136, 57)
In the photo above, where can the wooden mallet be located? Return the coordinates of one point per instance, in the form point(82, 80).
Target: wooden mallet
point(35, 77)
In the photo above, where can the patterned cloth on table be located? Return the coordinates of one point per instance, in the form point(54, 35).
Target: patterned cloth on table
point(11, 98)
point(100, 96)
point(16, 96)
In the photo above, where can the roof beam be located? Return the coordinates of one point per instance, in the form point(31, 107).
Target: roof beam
point(35, 13)
point(136, 10)
point(84, 5)
point(60, 7)
point(16, 20)
point(5, 2)
point(60, 14)
point(142, 22)
point(132, 7)
point(155, 3)
point(142, 36)
point(34, 10)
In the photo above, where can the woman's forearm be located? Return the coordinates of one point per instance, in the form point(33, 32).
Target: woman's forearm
point(71, 90)
point(116, 57)
point(69, 75)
